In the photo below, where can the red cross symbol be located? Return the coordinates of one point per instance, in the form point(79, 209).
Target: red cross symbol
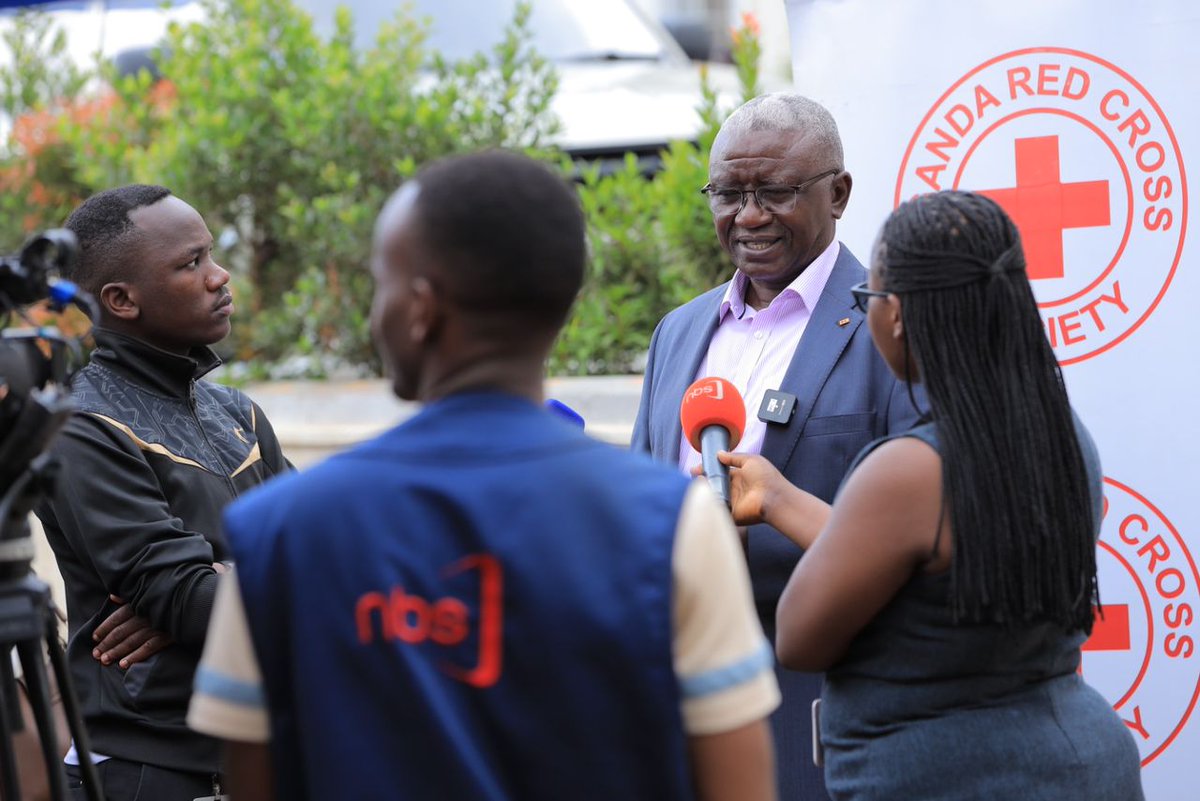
point(1043, 206)
point(1111, 632)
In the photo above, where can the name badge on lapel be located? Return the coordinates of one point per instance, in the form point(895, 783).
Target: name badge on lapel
point(777, 407)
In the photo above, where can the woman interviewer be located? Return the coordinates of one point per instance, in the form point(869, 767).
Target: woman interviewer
point(948, 589)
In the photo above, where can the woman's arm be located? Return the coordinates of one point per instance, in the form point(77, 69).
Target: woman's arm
point(881, 530)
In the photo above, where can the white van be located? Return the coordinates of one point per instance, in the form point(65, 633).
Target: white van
point(625, 84)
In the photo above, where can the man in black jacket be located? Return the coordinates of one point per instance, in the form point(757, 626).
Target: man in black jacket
point(149, 459)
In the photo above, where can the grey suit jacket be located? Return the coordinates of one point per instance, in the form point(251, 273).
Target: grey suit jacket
point(846, 397)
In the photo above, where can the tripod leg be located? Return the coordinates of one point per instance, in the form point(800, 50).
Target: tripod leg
point(12, 720)
point(32, 662)
point(10, 786)
point(83, 742)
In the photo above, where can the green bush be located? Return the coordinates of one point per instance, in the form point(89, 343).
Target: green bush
point(39, 76)
point(289, 143)
point(652, 241)
point(40, 67)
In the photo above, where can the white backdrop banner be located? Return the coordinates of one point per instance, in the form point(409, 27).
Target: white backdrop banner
point(1080, 117)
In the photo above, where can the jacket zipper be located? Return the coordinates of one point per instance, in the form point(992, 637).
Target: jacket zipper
point(233, 493)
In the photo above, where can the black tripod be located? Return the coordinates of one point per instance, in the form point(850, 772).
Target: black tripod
point(27, 619)
point(34, 405)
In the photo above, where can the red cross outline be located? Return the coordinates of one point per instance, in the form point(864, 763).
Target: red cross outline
point(1043, 206)
point(1111, 632)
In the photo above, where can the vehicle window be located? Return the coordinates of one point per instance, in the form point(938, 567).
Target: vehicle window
point(562, 29)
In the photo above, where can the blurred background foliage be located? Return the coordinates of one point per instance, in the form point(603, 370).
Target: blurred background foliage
point(288, 144)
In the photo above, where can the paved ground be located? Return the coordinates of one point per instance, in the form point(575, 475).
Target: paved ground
point(315, 418)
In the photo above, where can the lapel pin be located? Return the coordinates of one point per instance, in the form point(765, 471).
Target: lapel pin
point(842, 323)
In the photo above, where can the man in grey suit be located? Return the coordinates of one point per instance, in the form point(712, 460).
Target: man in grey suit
point(786, 332)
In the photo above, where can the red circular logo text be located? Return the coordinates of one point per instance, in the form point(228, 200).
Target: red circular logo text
point(1085, 162)
point(1142, 654)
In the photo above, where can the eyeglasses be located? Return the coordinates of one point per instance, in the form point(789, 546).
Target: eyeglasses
point(771, 199)
point(862, 295)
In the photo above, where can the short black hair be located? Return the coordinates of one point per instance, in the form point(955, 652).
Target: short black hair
point(507, 234)
point(105, 233)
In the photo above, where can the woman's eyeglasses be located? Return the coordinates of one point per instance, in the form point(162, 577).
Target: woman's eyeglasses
point(862, 295)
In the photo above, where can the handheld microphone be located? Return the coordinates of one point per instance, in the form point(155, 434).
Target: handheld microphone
point(713, 416)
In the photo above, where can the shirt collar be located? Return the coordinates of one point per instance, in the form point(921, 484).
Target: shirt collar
point(807, 286)
point(162, 372)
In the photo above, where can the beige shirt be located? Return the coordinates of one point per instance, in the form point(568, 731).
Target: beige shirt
point(724, 664)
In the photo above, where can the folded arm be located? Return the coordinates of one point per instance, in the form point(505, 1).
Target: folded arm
point(112, 512)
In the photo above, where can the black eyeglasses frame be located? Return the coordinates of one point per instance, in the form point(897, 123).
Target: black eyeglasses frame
point(708, 190)
point(862, 295)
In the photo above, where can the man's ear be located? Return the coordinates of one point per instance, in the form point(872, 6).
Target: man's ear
point(840, 193)
point(426, 311)
point(119, 300)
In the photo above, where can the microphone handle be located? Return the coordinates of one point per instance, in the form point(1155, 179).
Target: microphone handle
point(712, 440)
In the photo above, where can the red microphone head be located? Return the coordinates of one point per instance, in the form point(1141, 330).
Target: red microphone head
point(712, 402)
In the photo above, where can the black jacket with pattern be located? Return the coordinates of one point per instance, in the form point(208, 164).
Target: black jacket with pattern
point(148, 460)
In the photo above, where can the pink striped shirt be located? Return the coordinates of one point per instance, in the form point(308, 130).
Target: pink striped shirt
point(752, 348)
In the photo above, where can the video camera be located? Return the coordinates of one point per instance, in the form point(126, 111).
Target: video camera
point(35, 359)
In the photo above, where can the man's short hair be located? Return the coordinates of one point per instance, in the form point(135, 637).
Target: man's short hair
point(506, 233)
point(786, 113)
point(106, 234)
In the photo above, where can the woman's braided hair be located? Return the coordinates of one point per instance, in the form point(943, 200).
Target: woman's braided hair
point(1013, 473)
